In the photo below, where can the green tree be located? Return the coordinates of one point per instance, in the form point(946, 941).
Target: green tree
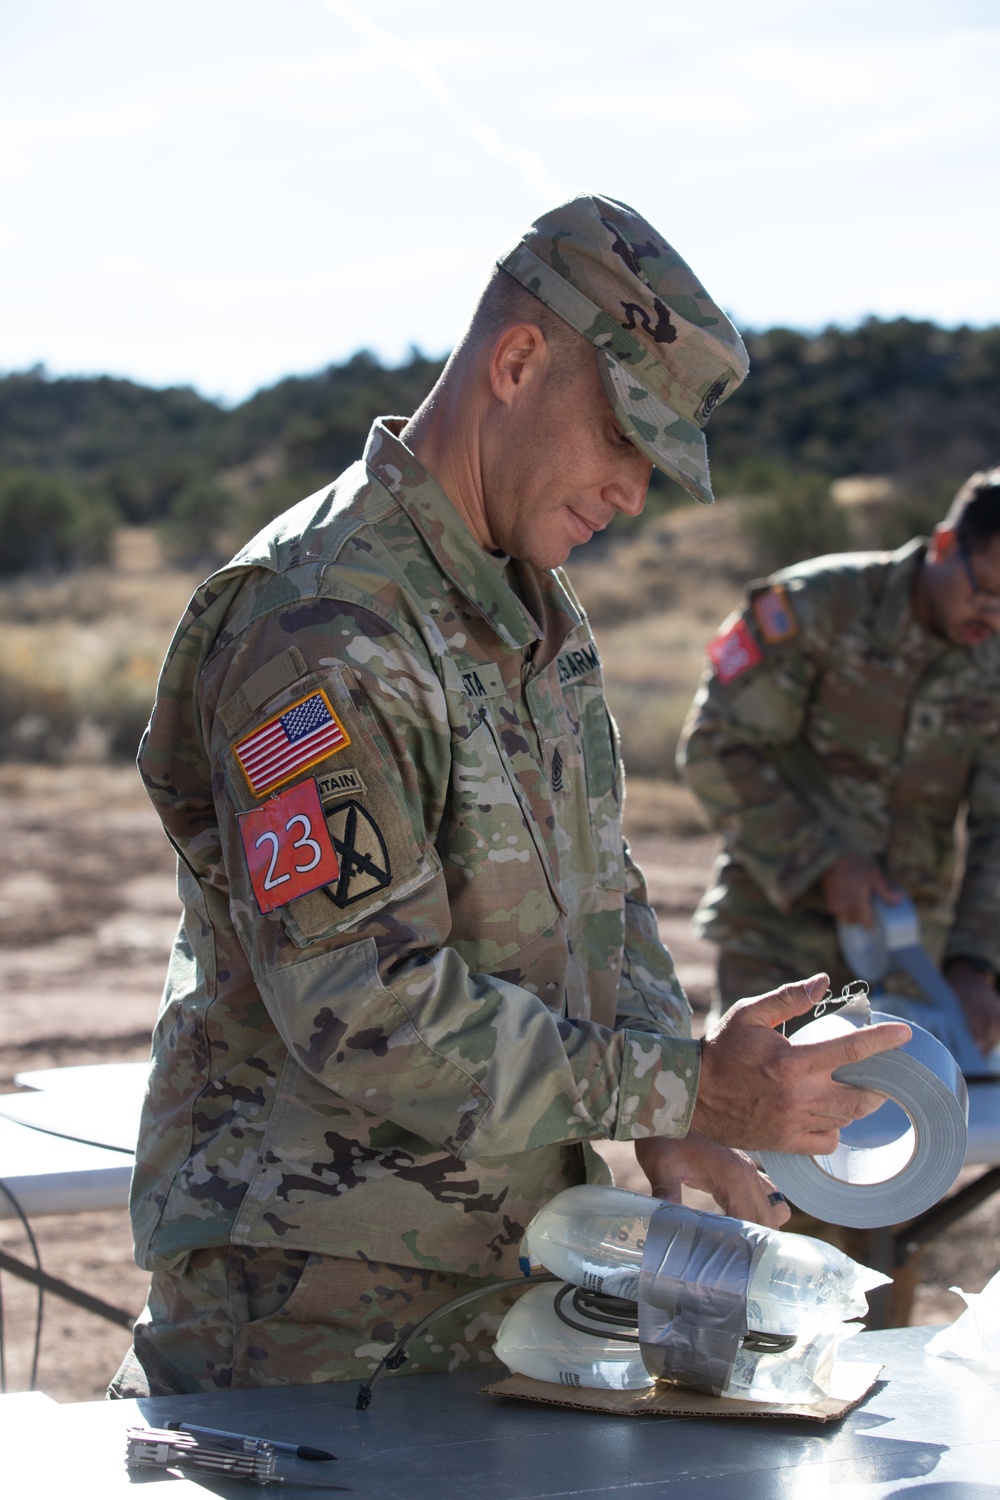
point(46, 523)
point(197, 521)
point(790, 516)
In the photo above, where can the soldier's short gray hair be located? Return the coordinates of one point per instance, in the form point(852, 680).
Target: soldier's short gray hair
point(504, 302)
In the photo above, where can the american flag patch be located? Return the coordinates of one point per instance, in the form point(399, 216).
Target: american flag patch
point(292, 741)
point(774, 614)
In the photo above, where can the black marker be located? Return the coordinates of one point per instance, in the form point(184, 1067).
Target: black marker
point(298, 1450)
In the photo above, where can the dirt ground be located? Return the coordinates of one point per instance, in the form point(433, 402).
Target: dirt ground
point(87, 913)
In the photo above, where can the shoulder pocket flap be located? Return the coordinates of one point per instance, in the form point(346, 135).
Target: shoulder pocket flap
point(266, 683)
point(320, 914)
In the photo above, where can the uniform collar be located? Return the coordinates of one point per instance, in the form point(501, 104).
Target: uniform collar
point(476, 574)
point(894, 624)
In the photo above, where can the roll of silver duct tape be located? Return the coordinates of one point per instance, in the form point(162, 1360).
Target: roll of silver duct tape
point(895, 1163)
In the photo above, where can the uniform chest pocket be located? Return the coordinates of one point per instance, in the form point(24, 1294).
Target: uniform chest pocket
point(587, 786)
point(859, 717)
point(500, 890)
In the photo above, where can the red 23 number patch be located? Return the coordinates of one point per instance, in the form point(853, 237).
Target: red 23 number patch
point(288, 847)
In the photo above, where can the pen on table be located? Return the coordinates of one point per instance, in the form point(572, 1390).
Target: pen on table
point(299, 1450)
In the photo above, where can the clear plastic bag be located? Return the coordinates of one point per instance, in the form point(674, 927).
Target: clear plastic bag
point(802, 1284)
point(595, 1237)
point(533, 1340)
point(705, 1285)
point(976, 1334)
point(802, 1374)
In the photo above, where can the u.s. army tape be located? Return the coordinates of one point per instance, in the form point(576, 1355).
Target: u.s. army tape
point(885, 1170)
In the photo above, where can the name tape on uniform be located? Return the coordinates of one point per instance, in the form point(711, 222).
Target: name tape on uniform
point(578, 662)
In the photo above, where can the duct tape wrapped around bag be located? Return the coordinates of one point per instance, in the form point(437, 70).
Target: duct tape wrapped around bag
point(693, 1296)
point(732, 1309)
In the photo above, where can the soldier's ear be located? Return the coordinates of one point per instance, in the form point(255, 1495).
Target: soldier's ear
point(942, 543)
point(517, 355)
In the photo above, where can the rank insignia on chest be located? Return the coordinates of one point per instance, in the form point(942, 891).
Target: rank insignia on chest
point(734, 652)
point(774, 614)
point(288, 848)
point(299, 737)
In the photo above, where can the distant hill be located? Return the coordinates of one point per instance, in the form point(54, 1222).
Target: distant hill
point(140, 446)
point(907, 399)
point(904, 399)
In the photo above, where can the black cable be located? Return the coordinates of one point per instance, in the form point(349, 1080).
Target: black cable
point(41, 1290)
point(767, 1343)
point(612, 1314)
point(73, 1294)
point(397, 1354)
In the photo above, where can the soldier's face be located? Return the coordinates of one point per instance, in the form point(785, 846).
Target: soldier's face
point(564, 470)
point(964, 589)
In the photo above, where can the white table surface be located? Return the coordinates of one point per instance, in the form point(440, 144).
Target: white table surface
point(85, 1076)
point(50, 1175)
point(97, 1104)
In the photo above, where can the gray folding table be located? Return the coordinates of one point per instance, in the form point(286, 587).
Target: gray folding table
point(930, 1426)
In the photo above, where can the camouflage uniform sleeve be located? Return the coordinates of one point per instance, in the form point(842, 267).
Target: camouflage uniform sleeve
point(749, 707)
point(974, 932)
point(650, 995)
point(366, 979)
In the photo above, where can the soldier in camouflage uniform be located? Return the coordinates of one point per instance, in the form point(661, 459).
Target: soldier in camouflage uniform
point(851, 712)
point(417, 973)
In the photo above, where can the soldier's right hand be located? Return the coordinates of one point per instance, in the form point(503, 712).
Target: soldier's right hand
point(761, 1092)
point(849, 885)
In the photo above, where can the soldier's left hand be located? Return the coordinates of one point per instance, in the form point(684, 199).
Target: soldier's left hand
point(849, 885)
point(977, 993)
point(729, 1176)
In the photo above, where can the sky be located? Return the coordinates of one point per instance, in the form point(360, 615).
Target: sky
point(219, 193)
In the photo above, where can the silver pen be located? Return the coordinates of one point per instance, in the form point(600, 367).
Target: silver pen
point(298, 1450)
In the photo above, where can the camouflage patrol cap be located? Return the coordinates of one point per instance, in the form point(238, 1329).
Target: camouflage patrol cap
point(667, 354)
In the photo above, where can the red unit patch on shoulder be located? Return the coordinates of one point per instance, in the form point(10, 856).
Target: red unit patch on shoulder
point(733, 652)
point(288, 846)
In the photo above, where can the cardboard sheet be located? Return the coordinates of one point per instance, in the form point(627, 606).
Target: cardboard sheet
point(853, 1381)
